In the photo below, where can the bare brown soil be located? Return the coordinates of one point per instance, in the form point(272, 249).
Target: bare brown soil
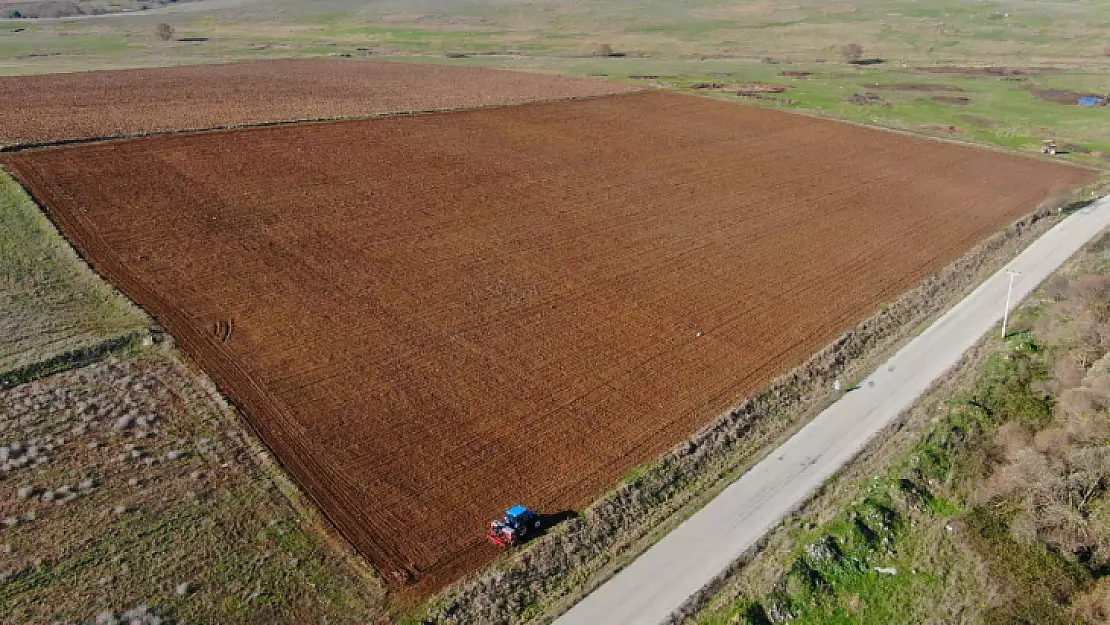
point(1062, 96)
point(762, 87)
point(47, 108)
point(947, 99)
point(432, 318)
point(867, 99)
point(915, 87)
point(952, 130)
point(752, 95)
point(986, 71)
point(984, 122)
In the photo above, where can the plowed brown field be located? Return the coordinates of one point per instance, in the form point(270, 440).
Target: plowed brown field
point(432, 318)
point(126, 102)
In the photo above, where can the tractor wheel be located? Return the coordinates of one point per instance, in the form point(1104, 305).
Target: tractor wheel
point(537, 524)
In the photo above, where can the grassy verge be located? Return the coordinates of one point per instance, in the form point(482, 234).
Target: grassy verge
point(51, 303)
point(987, 508)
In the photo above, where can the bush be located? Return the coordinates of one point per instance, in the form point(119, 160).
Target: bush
point(1093, 605)
point(603, 49)
point(1094, 292)
point(1041, 577)
point(163, 31)
point(1006, 391)
point(852, 52)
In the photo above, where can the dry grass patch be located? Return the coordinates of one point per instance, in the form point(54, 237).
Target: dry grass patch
point(51, 303)
point(125, 484)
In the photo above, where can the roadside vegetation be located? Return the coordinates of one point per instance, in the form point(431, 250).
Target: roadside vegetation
point(996, 512)
point(54, 310)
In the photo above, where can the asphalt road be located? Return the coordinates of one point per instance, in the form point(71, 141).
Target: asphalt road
point(661, 580)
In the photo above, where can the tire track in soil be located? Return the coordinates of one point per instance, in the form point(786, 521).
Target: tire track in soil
point(437, 317)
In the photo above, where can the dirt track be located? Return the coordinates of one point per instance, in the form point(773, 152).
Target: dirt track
point(432, 318)
point(40, 109)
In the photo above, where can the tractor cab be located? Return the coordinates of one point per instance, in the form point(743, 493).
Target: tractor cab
point(518, 521)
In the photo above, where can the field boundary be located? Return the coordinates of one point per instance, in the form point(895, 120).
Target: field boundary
point(544, 580)
point(23, 147)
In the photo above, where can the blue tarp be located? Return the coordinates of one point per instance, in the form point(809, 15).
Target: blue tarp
point(1090, 101)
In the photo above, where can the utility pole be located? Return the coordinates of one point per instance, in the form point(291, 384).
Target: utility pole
point(1006, 313)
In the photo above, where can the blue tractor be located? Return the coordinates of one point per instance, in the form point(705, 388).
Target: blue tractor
point(518, 522)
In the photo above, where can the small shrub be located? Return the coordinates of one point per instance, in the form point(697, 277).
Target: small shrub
point(1093, 606)
point(1051, 440)
point(1100, 245)
point(603, 49)
point(1006, 389)
point(852, 52)
point(1067, 374)
point(1035, 573)
point(163, 31)
point(1094, 292)
point(1056, 288)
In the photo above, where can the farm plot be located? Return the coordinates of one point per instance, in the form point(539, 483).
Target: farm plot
point(53, 107)
point(432, 318)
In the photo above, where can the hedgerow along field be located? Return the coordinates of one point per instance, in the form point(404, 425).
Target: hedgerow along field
point(55, 107)
point(431, 318)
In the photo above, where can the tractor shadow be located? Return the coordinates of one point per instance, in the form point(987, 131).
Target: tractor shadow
point(551, 521)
